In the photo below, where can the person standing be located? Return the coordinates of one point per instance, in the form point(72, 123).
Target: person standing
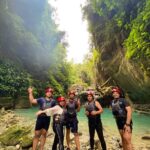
point(122, 113)
point(58, 112)
point(72, 107)
point(93, 110)
point(43, 121)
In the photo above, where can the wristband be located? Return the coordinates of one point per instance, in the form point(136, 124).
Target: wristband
point(127, 124)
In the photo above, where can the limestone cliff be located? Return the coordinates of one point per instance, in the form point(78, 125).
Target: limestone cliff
point(120, 33)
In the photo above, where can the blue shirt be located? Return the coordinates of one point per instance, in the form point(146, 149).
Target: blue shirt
point(45, 104)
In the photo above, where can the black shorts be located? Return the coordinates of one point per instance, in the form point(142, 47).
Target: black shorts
point(73, 125)
point(121, 122)
point(42, 122)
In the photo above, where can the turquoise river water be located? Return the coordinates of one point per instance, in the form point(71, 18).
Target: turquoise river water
point(141, 122)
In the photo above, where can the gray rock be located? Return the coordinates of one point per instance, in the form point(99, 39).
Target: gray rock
point(2, 110)
point(18, 146)
point(10, 111)
point(146, 137)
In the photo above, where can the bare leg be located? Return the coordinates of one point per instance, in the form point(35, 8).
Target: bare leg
point(68, 137)
point(37, 135)
point(43, 139)
point(123, 143)
point(76, 136)
point(127, 140)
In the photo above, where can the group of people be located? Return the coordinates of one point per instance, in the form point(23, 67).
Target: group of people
point(64, 112)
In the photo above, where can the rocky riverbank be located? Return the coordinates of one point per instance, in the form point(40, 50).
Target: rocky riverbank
point(142, 108)
point(16, 134)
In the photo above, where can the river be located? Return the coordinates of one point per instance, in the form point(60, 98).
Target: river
point(141, 126)
point(141, 122)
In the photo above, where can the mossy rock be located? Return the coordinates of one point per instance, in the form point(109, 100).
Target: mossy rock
point(15, 135)
point(26, 141)
point(22, 102)
point(6, 102)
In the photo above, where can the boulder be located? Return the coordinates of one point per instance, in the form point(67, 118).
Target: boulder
point(18, 146)
point(26, 141)
point(2, 110)
point(15, 135)
point(6, 102)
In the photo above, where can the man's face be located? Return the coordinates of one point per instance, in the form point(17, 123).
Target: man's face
point(71, 96)
point(90, 98)
point(48, 94)
point(116, 95)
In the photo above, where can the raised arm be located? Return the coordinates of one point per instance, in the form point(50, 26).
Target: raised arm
point(31, 97)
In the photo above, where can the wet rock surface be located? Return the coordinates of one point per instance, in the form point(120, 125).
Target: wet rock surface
point(142, 108)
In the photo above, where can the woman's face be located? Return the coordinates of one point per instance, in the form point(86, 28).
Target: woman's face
point(90, 98)
point(116, 95)
point(62, 103)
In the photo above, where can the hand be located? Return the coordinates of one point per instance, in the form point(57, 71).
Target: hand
point(30, 90)
point(87, 113)
point(127, 128)
point(39, 112)
point(94, 113)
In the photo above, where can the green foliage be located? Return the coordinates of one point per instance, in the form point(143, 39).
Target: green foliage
point(124, 22)
point(109, 20)
point(138, 42)
point(30, 37)
point(96, 56)
point(119, 29)
point(13, 80)
point(83, 74)
point(59, 78)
